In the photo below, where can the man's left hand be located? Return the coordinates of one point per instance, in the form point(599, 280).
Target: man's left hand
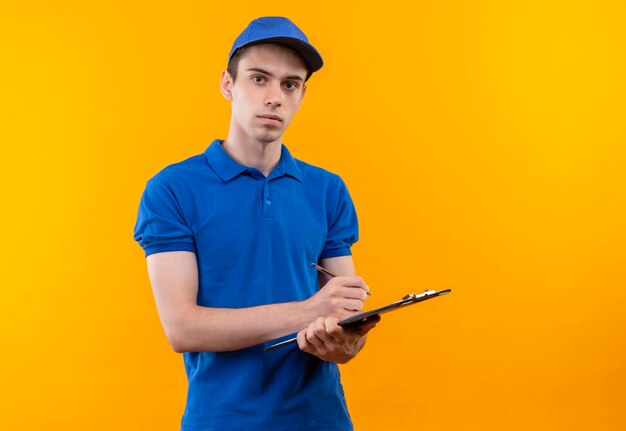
point(327, 340)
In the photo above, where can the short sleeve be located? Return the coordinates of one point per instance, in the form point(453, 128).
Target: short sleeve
point(160, 222)
point(344, 227)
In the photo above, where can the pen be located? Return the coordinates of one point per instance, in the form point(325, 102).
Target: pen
point(358, 319)
point(327, 272)
point(295, 339)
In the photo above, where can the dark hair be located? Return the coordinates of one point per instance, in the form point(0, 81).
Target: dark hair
point(233, 64)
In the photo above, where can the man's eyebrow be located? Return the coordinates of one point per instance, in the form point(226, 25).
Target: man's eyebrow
point(265, 72)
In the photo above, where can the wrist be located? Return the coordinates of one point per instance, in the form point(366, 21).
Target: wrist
point(301, 313)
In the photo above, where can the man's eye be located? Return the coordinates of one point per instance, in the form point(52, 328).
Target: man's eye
point(257, 78)
point(291, 85)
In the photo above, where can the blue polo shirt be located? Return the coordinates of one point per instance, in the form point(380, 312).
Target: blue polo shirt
point(254, 238)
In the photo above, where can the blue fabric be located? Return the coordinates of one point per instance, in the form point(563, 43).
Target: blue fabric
point(254, 238)
point(278, 29)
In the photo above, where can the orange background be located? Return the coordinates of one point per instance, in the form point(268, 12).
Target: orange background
point(483, 144)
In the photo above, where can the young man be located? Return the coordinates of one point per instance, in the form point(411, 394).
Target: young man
point(230, 236)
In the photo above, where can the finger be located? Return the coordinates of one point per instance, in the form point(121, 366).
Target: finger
point(350, 281)
point(321, 329)
point(332, 328)
point(353, 305)
point(367, 325)
point(355, 293)
point(370, 324)
point(311, 335)
point(303, 343)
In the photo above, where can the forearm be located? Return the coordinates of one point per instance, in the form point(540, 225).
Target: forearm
point(197, 328)
point(193, 328)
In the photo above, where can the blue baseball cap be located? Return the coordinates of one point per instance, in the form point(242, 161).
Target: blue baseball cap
point(280, 30)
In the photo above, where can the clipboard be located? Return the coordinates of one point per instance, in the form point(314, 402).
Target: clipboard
point(357, 319)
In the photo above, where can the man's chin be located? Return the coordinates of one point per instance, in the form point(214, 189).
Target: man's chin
point(268, 138)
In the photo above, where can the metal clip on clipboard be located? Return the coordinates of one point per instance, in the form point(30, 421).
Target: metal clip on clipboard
point(410, 299)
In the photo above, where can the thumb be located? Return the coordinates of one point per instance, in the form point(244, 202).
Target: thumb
point(367, 325)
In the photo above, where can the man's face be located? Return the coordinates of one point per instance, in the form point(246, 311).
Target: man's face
point(267, 93)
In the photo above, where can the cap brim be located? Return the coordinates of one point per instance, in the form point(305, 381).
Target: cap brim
point(311, 57)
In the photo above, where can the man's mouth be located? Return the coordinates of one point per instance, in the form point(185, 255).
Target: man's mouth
point(271, 117)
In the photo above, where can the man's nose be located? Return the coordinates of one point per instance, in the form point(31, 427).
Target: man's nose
point(273, 97)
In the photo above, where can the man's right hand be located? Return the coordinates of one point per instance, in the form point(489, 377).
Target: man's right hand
point(341, 297)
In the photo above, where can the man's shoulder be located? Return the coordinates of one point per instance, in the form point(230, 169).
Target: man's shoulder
point(317, 173)
point(184, 170)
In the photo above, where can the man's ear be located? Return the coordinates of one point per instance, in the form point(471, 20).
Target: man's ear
point(226, 86)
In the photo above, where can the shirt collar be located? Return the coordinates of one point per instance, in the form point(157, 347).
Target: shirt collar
point(228, 169)
point(287, 165)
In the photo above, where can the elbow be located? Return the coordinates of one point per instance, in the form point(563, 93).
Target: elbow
point(178, 339)
point(177, 344)
point(180, 330)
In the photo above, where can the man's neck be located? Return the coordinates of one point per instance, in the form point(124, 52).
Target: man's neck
point(261, 155)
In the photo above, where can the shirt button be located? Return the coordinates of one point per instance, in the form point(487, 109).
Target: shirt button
point(268, 202)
